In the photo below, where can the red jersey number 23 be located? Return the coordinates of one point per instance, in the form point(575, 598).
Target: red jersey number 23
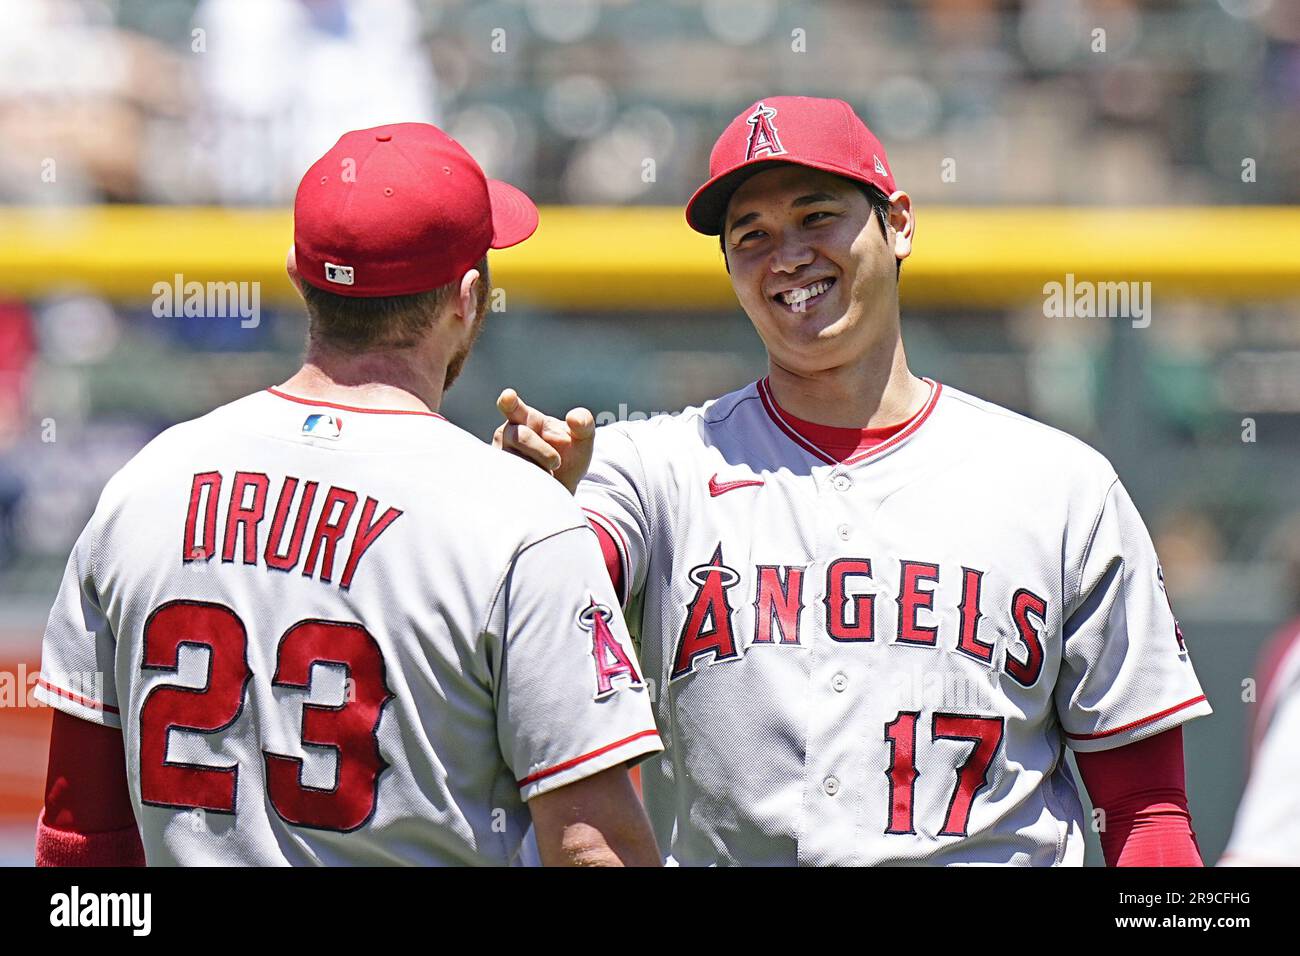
point(349, 729)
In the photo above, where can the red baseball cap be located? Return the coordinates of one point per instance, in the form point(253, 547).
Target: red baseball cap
point(804, 130)
point(401, 209)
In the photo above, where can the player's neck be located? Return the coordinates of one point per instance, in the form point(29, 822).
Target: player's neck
point(389, 380)
point(877, 391)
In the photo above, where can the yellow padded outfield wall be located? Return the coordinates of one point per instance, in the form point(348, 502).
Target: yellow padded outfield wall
point(603, 258)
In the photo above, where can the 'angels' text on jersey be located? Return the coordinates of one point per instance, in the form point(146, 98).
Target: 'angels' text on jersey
point(847, 611)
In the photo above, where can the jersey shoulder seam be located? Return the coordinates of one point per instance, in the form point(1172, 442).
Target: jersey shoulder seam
point(731, 411)
point(989, 408)
point(1087, 548)
point(504, 578)
point(502, 584)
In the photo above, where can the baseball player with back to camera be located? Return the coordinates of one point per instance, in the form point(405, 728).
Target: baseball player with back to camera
point(876, 609)
point(324, 625)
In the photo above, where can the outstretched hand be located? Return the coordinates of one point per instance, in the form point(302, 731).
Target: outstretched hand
point(562, 447)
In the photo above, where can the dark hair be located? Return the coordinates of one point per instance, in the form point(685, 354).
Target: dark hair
point(362, 324)
point(880, 206)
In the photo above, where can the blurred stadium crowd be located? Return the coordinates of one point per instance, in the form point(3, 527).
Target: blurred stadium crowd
point(227, 101)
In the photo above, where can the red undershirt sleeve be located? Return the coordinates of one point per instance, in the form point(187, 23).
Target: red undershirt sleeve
point(609, 549)
point(88, 819)
point(1141, 788)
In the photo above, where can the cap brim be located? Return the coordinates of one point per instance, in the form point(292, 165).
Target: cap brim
point(514, 215)
point(706, 208)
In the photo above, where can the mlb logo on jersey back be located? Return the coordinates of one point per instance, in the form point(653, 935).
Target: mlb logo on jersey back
point(323, 426)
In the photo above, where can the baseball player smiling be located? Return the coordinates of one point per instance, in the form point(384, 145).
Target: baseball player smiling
point(876, 609)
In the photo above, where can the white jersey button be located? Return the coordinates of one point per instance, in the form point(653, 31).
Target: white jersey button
point(841, 482)
point(839, 682)
point(845, 532)
point(831, 785)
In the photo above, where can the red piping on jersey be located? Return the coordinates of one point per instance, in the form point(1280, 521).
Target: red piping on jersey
point(1137, 723)
point(775, 413)
point(350, 408)
point(551, 771)
point(76, 698)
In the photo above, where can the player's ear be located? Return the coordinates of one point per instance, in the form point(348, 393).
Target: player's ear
point(468, 296)
point(902, 219)
point(291, 267)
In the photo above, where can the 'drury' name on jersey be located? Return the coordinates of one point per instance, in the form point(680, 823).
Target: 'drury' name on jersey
point(242, 538)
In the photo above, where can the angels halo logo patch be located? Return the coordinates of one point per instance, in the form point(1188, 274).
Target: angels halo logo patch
point(611, 659)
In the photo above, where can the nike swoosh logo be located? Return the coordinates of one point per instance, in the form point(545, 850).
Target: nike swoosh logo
point(722, 487)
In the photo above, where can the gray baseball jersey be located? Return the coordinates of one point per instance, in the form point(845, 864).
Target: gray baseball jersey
point(1267, 828)
point(336, 635)
point(881, 660)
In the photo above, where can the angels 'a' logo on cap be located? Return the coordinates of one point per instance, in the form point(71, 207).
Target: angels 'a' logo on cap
point(880, 167)
point(763, 139)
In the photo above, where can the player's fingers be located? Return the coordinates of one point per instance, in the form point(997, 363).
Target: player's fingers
point(554, 430)
point(544, 424)
point(512, 407)
point(517, 412)
point(582, 425)
point(498, 436)
point(526, 443)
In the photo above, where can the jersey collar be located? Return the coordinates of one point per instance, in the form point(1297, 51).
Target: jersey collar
point(350, 408)
point(786, 423)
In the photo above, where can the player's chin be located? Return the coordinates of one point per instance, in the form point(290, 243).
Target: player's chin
point(827, 322)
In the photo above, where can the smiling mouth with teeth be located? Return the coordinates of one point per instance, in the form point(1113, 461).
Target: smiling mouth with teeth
point(799, 298)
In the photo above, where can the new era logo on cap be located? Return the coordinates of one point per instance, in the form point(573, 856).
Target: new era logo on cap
point(340, 274)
